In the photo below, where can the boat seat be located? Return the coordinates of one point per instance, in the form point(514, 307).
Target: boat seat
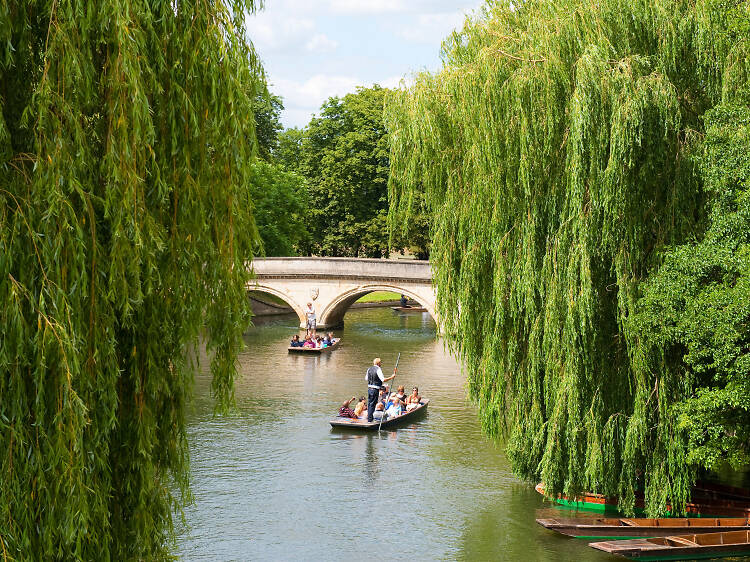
point(682, 541)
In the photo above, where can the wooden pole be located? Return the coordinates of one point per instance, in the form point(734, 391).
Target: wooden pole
point(393, 379)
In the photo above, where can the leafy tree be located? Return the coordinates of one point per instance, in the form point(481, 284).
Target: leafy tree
point(694, 316)
point(288, 152)
point(345, 161)
point(555, 151)
point(343, 155)
point(267, 110)
point(125, 226)
point(279, 207)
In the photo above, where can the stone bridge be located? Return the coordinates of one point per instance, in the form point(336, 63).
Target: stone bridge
point(334, 284)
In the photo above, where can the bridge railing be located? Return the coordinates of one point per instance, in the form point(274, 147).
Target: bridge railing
point(408, 270)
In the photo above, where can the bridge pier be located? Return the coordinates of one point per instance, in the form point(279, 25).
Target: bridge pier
point(334, 284)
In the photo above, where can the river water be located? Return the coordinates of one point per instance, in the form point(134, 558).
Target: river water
point(275, 482)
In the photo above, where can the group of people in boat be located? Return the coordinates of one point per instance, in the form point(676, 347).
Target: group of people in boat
point(390, 405)
point(313, 342)
point(381, 404)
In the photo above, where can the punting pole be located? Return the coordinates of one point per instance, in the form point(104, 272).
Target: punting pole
point(393, 379)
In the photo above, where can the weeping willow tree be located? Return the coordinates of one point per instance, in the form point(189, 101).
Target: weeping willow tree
point(555, 149)
point(125, 150)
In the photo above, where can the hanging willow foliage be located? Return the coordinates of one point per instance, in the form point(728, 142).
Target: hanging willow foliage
point(126, 140)
point(554, 149)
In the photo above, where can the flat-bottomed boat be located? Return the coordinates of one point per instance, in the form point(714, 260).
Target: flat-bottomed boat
point(622, 528)
point(364, 425)
point(680, 547)
point(315, 350)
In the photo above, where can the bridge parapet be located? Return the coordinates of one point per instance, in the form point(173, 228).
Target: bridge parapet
point(343, 268)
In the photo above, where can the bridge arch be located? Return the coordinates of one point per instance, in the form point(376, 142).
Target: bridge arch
point(333, 313)
point(298, 309)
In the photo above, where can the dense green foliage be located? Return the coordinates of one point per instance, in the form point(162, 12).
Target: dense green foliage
point(125, 155)
point(279, 195)
point(345, 161)
point(557, 151)
point(695, 313)
point(279, 208)
point(343, 155)
point(288, 152)
point(267, 109)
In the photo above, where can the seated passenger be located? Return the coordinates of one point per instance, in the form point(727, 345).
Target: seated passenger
point(295, 341)
point(401, 394)
point(379, 409)
point(308, 343)
point(327, 340)
point(383, 395)
point(394, 408)
point(361, 409)
point(330, 337)
point(345, 411)
point(404, 302)
point(412, 401)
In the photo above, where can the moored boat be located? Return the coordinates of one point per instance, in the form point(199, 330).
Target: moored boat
point(622, 528)
point(680, 547)
point(409, 308)
point(364, 425)
point(700, 506)
point(314, 350)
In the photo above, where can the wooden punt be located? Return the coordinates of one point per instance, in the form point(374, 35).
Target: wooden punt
point(680, 547)
point(315, 350)
point(364, 425)
point(620, 528)
point(409, 308)
point(700, 506)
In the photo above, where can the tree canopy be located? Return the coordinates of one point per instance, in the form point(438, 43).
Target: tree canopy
point(345, 161)
point(125, 226)
point(279, 208)
point(267, 108)
point(694, 316)
point(557, 151)
point(343, 155)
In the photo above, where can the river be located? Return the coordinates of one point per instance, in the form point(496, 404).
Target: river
point(275, 482)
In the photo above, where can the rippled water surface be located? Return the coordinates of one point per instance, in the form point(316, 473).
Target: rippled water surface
point(275, 482)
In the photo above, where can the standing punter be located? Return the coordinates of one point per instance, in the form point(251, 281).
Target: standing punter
point(311, 322)
point(375, 380)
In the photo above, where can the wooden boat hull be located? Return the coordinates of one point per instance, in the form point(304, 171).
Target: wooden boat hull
point(315, 350)
point(409, 308)
point(680, 547)
point(361, 425)
point(621, 528)
point(699, 507)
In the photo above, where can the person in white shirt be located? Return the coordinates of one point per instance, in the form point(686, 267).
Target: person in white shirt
point(395, 408)
point(375, 380)
point(311, 320)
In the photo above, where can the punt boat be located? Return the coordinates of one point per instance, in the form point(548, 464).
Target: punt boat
point(681, 547)
point(620, 528)
point(316, 350)
point(409, 308)
point(364, 425)
point(702, 505)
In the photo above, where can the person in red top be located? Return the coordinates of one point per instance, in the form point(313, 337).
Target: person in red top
point(345, 411)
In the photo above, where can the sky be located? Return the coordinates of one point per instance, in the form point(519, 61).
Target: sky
point(312, 50)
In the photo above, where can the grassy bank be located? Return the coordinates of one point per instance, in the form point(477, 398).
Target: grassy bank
point(380, 296)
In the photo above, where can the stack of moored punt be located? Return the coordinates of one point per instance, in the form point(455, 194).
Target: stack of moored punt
point(667, 538)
